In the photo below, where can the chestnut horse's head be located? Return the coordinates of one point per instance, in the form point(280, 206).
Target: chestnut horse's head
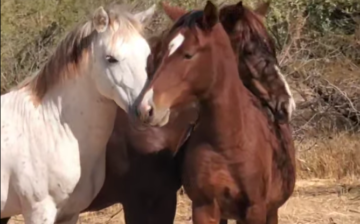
point(256, 53)
point(186, 71)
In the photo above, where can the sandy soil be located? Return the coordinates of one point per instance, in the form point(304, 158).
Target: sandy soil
point(315, 201)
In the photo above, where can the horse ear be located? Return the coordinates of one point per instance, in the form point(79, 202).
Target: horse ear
point(239, 4)
point(145, 15)
point(240, 8)
point(211, 15)
point(174, 13)
point(100, 19)
point(263, 8)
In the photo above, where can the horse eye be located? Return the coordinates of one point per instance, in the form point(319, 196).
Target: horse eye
point(111, 59)
point(187, 56)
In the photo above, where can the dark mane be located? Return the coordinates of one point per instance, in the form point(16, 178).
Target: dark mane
point(189, 20)
point(246, 29)
point(257, 61)
point(251, 27)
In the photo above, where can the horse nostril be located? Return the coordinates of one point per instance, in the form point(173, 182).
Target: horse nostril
point(151, 112)
point(144, 112)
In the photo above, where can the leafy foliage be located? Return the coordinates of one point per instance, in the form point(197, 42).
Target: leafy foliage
point(31, 28)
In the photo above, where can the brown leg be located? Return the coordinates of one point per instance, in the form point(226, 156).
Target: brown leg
point(223, 221)
point(163, 210)
point(272, 217)
point(146, 210)
point(4, 220)
point(206, 213)
point(256, 214)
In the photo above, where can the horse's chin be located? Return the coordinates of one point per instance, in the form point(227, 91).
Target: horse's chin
point(135, 123)
point(161, 118)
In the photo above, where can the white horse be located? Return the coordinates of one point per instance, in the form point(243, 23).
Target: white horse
point(55, 126)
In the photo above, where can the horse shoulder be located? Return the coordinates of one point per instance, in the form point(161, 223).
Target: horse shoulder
point(32, 152)
point(11, 123)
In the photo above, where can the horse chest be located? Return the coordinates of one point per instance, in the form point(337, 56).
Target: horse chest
point(43, 171)
point(58, 171)
point(209, 176)
point(88, 186)
point(206, 171)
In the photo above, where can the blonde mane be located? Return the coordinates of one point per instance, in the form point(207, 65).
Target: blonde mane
point(72, 52)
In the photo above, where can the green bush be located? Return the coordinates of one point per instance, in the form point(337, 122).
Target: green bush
point(31, 28)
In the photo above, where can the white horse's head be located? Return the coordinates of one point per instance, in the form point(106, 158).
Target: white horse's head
point(109, 48)
point(120, 53)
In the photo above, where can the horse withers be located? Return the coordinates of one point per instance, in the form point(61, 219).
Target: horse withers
point(236, 165)
point(55, 125)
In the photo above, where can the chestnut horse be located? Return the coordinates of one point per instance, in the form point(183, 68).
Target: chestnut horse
point(238, 164)
point(255, 50)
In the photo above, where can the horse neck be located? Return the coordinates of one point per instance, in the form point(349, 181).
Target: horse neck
point(229, 105)
point(76, 107)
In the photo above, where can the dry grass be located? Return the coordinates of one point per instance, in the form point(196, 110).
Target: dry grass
point(313, 202)
point(323, 202)
point(329, 156)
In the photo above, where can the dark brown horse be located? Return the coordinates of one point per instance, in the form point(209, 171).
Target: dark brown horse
point(147, 186)
point(238, 164)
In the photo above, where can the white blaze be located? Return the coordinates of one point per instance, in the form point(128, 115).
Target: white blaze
point(176, 43)
point(292, 104)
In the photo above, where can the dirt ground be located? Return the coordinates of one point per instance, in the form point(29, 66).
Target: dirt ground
point(315, 201)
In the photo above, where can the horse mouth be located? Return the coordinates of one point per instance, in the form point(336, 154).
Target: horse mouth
point(161, 118)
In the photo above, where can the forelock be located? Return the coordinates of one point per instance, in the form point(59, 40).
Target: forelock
point(189, 20)
point(122, 21)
